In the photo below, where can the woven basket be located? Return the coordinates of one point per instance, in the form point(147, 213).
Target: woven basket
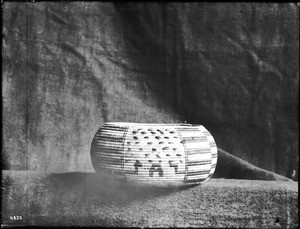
point(143, 153)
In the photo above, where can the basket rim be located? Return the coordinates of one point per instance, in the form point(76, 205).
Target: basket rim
point(150, 124)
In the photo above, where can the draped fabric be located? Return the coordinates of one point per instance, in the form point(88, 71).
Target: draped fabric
point(68, 67)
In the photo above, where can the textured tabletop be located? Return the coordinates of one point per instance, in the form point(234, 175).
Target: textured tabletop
point(85, 199)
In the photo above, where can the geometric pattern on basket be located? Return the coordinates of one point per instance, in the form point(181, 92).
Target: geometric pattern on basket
point(155, 153)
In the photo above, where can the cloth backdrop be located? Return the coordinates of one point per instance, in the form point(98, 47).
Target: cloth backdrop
point(68, 67)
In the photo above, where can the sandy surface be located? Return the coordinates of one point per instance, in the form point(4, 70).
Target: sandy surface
point(86, 199)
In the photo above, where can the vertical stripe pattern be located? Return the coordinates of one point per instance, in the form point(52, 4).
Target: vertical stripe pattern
point(107, 149)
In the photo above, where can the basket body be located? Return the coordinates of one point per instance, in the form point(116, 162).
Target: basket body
point(166, 154)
